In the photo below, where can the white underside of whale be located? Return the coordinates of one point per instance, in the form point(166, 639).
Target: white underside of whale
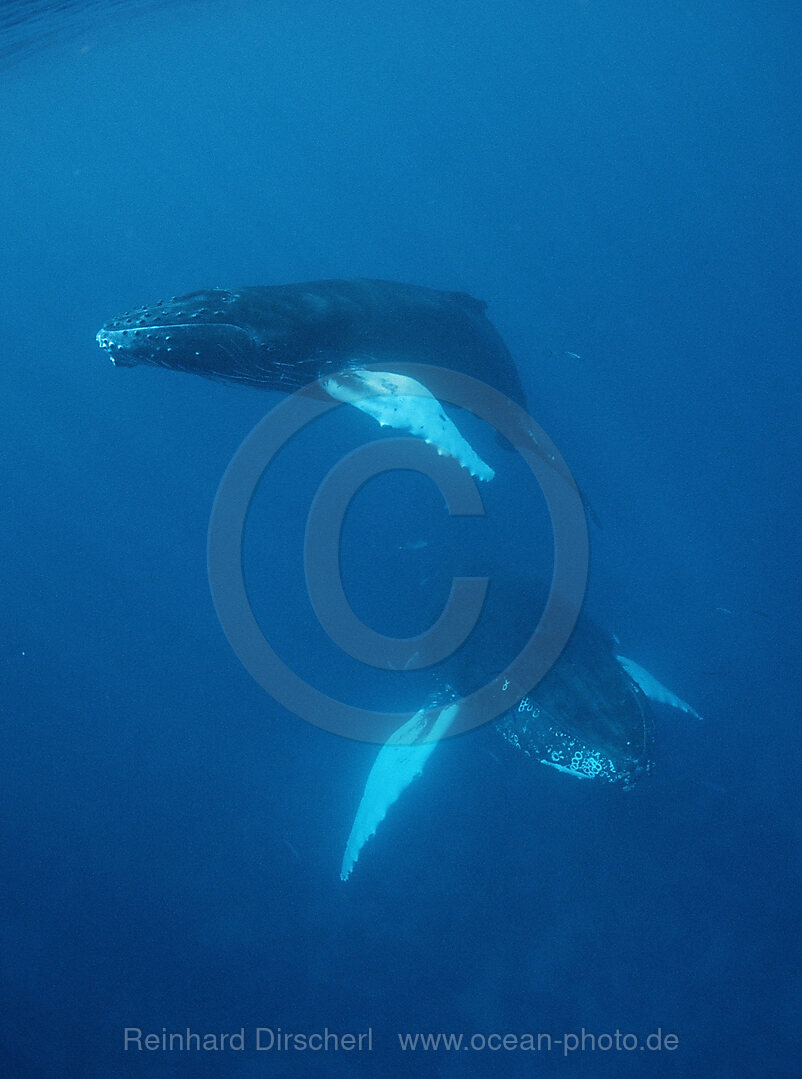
point(401, 759)
point(403, 403)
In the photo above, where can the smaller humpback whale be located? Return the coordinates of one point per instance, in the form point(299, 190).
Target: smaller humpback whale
point(284, 337)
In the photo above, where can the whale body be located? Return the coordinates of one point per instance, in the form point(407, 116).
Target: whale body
point(282, 337)
point(591, 717)
point(285, 337)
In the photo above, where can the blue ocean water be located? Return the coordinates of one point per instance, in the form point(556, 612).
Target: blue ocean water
point(620, 183)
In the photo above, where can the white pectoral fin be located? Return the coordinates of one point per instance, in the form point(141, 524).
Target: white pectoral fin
point(401, 759)
point(653, 689)
point(403, 403)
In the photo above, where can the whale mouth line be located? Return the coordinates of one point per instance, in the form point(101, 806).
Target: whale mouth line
point(170, 344)
point(110, 336)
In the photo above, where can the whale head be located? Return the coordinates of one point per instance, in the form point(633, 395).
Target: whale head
point(203, 333)
point(219, 333)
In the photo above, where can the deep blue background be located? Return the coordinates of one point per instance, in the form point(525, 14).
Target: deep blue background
point(617, 180)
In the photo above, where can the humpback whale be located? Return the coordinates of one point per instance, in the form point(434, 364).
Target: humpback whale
point(591, 717)
point(284, 337)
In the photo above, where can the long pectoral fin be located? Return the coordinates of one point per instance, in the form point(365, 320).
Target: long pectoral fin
point(401, 759)
point(653, 689)
point(403, 403)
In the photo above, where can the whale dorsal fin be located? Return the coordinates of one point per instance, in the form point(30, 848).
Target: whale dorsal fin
point(470, 302)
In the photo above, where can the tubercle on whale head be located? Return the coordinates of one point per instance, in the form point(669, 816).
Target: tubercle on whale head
point(118, 355)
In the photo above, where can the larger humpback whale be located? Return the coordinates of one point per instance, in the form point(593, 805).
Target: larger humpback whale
point(590, 717)
point(283, 337)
